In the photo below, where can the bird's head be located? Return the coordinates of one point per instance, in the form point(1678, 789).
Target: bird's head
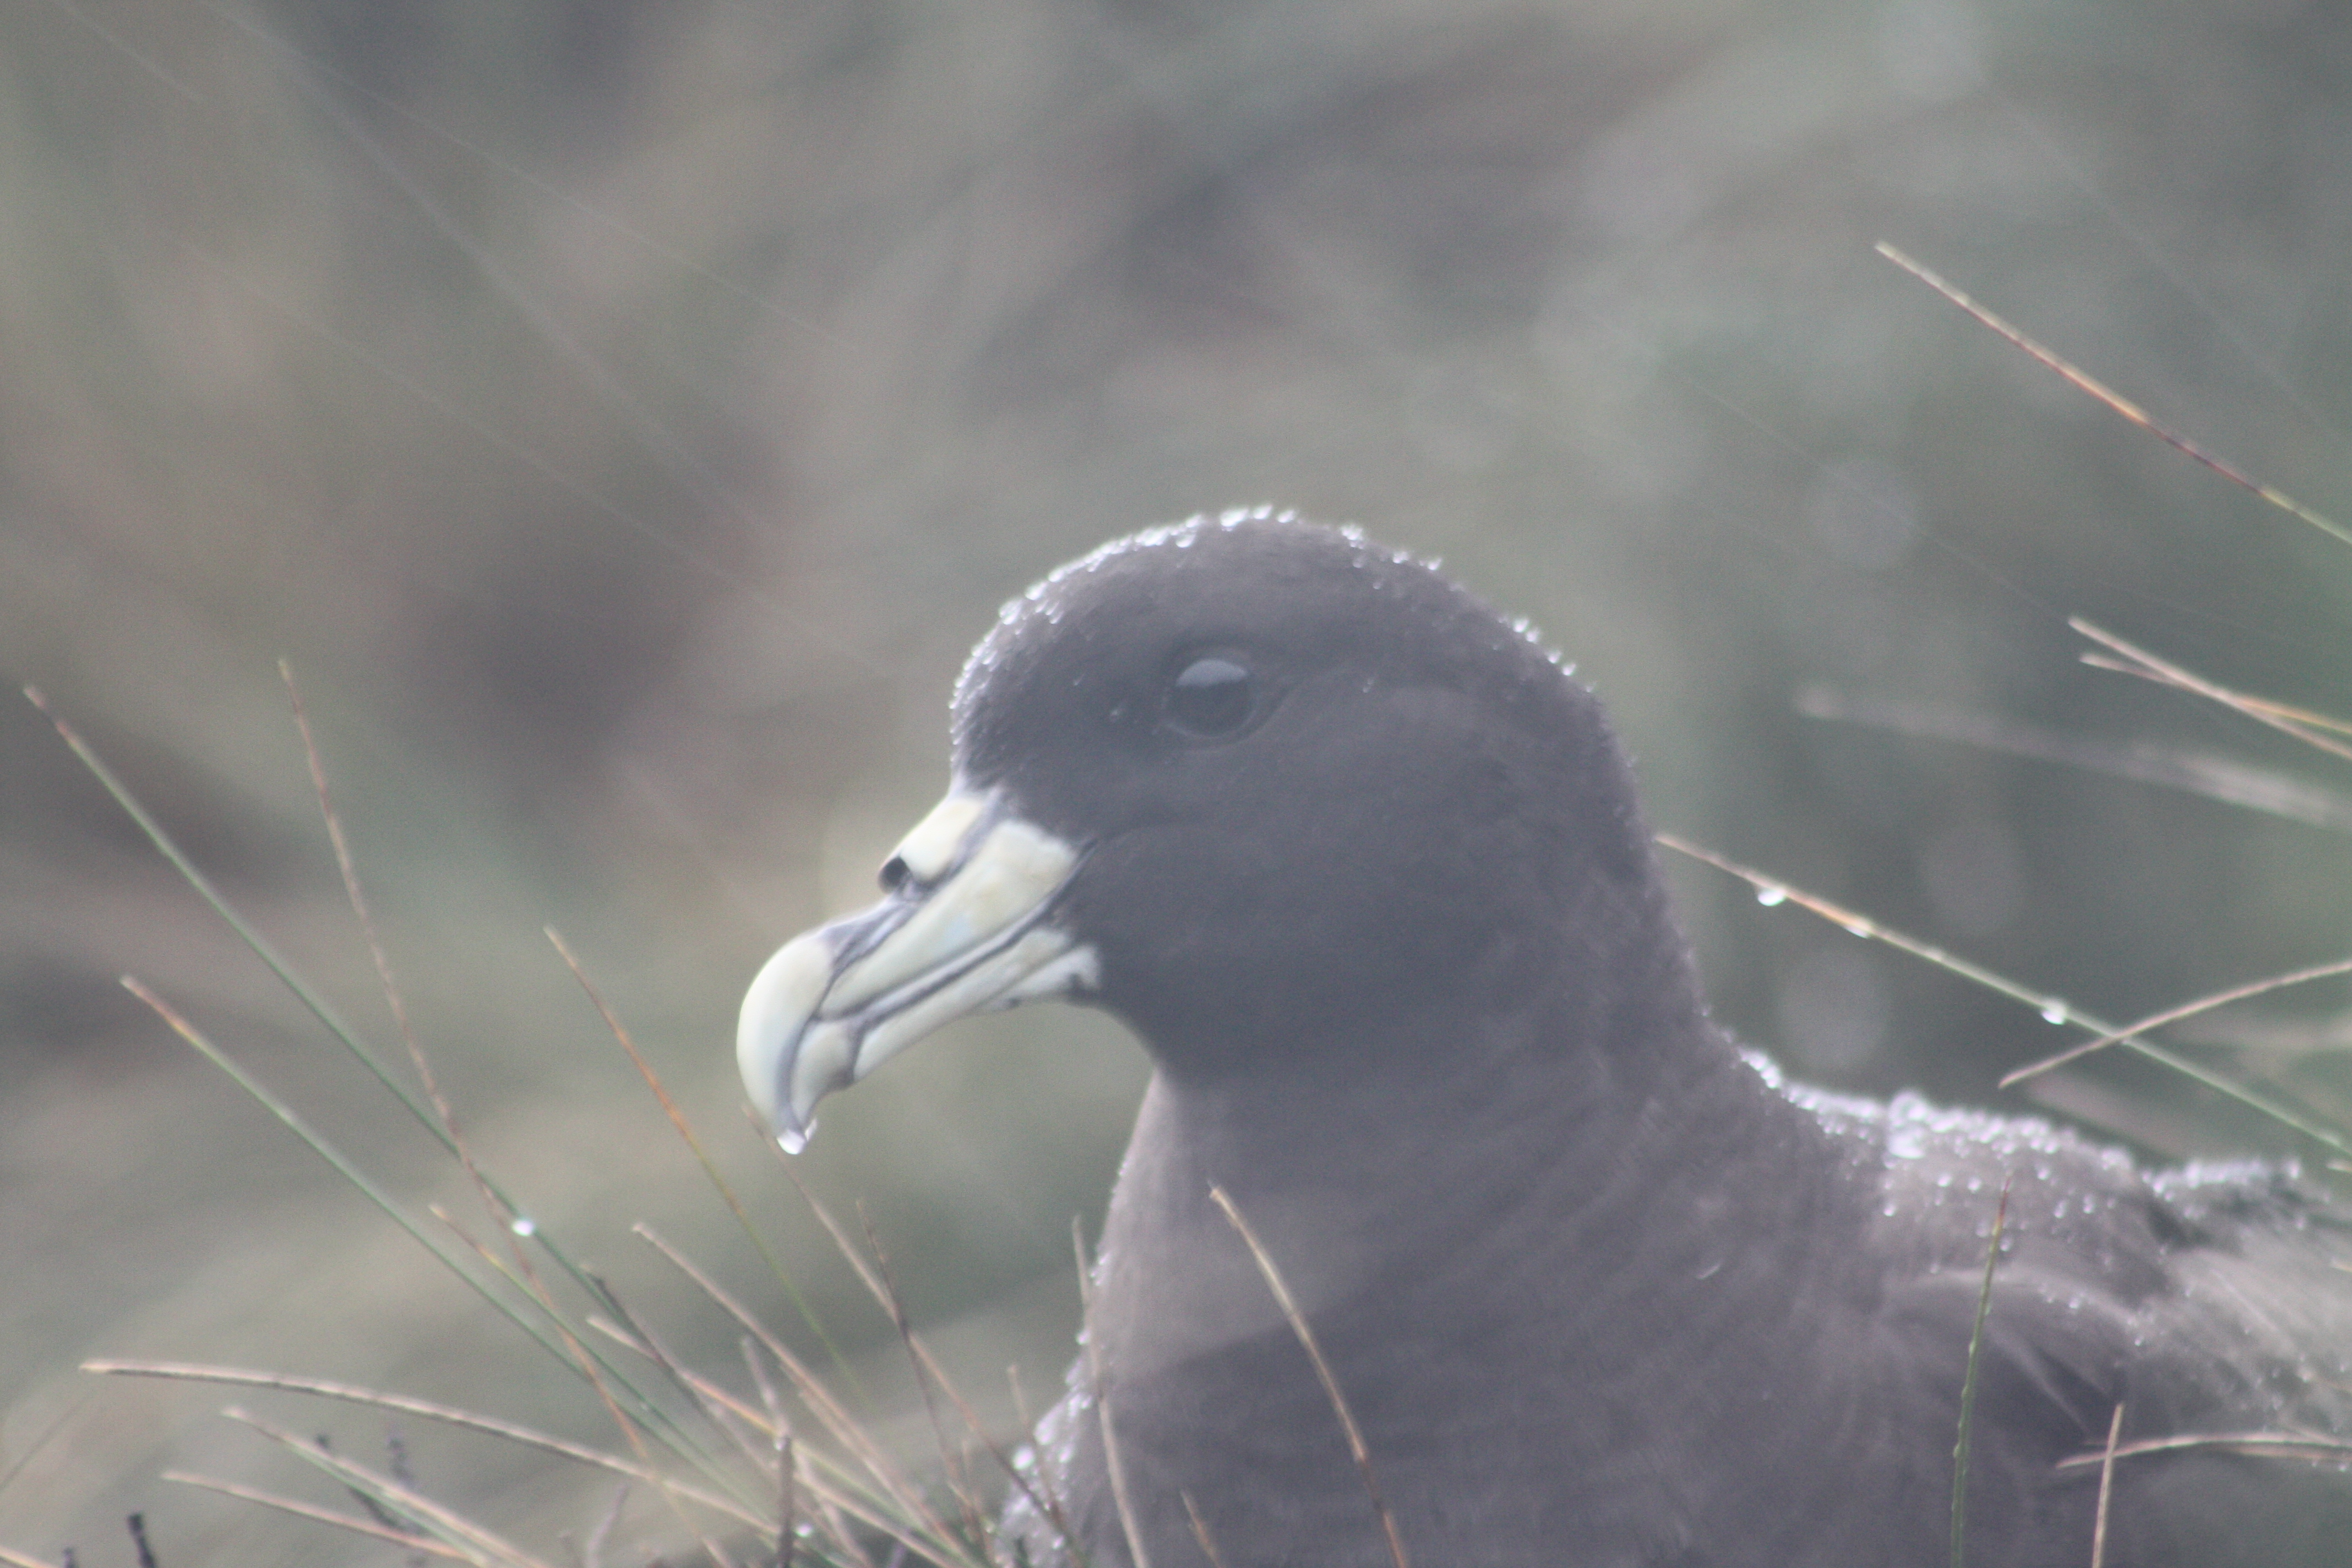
point(1260, 788)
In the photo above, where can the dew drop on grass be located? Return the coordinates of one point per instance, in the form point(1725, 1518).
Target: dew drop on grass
point(1771, 897)
point(523, 1225)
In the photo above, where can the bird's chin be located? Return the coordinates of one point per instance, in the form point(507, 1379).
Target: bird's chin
point(965, 928)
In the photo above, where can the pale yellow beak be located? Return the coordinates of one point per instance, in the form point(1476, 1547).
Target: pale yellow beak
point(963, 928)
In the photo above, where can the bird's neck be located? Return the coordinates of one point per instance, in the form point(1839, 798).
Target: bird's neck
point(1530, 1168)
point(1522, 1264)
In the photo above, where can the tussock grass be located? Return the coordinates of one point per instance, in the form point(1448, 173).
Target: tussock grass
point(725, 1467)
point(791, 1474)
point(771, 1463)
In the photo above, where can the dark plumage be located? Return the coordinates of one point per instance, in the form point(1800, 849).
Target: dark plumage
point(1363, 868)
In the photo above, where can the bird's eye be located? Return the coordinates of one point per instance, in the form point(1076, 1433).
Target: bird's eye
point(1210, 698)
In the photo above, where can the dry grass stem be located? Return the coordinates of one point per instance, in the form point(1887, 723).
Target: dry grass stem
point(27, 1452)
point(787, 1504)
point(2170, 674)
point(698, 1391)
point(2190, 772)
point(879, 1289)
point(959, 1481)
point(805, 1383)
point(1100, 1393)
point(837, 1421)
point(2107, 1490)
point(275, 961)
point(2175, 1014)
point(1020, 1400)
point(2261, 1445)
point(591, 1553)
point(474, 1543)
point(697, 1387)
point(312, 1001)
point(829, 1511)
point(286, 975)
point(1298, 1325)
point(861, 1505)
point(588, 1366)
point(348, 869)
point(351, 1522)
point(2122, 405)
point(769, 1401)
point(2253, 704)
point(403, 1405)
point(787, 1450)
point(564, 1344)
point(685, 1131)
point(830, 1499)
point(675, 1437)
point(526, 1286)
point(1200, 1532)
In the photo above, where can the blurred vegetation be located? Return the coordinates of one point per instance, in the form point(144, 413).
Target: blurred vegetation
point(624, 415)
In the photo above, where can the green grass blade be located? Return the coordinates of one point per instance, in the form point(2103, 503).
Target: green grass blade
point(645, 1408)
point(1968, 1383)
point(165, 846)
point(647, 1411)
point(710, 1172)
point(2056, 1009)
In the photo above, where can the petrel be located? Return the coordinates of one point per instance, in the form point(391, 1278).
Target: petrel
point(1362, 866)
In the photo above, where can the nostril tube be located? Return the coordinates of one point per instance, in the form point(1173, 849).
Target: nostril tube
point(894, 873)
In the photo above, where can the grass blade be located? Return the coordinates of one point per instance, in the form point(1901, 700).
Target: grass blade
point(471, 1541)
point(2107, 1490)
point(1969, 1382)
point(345, 1036)
point(346, 1522)
point(1119, 1497)
point(1048, 1506)
point(2056, 1009)
point(2264, 1444)
point(709, 1168)
point(2115, 400)
point(1298, 1325)
point(425, 1409)
point(2139, 661)
point(2175, 1015)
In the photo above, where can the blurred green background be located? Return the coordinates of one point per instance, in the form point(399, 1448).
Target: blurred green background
point(624, 415)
